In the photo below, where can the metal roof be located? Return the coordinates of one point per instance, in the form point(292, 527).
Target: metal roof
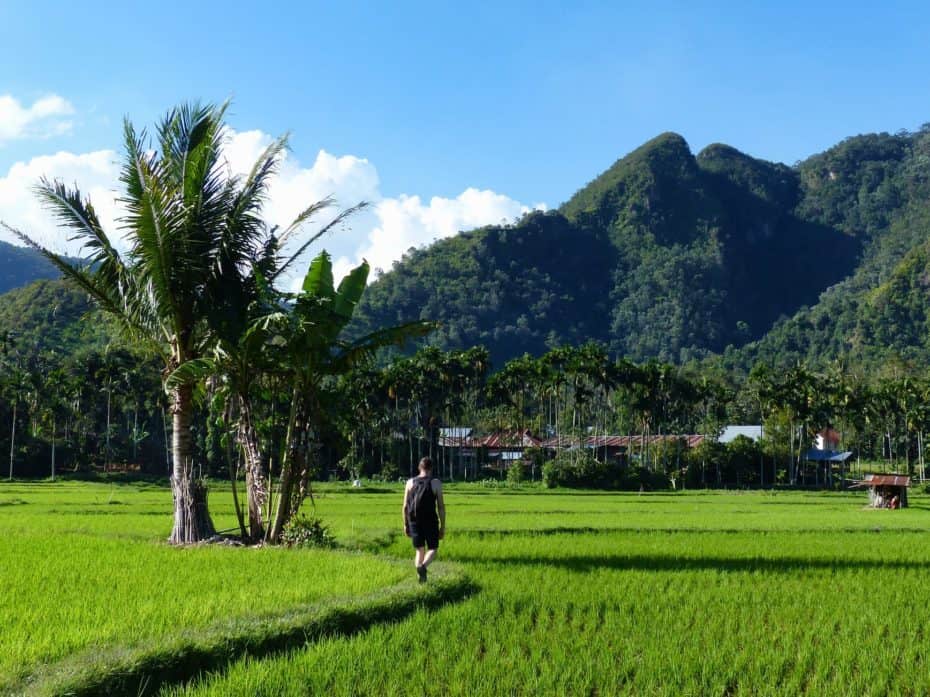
point(456, 432)
point(886, 480)
point(730, 433)
point(512, 439)
point(691, 441)
point(815, 455)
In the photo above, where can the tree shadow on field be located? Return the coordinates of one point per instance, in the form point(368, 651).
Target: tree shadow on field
point(482, 533)
point(643, 562)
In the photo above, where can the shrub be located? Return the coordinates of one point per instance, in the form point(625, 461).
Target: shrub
point(579, 469)
point(303, 531)
point(550, 474)
point(389, 473)
point(516, 473)
point(642, 478)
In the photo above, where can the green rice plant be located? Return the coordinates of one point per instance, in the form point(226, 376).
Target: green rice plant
point(84, 568)
point(688, 594)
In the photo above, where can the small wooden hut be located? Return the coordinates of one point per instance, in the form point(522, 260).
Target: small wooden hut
point(886, 490)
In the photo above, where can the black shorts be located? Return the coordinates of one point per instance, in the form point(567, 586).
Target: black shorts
point(424, 536)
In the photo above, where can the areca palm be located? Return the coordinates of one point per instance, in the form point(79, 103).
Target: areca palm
point(189, 231)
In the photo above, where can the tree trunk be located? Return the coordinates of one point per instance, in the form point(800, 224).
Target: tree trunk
point(164, 430)
point(236, 458)
point(13, 440)
point(288, 469)
point(192, 521)
point(106, 461)
point(255, 480)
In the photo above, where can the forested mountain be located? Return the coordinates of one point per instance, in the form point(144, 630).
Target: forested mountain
point(664, 255)
point(19, 266)
point(878, 188)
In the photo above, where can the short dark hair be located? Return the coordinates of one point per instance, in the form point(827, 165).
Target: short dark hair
point(426, 464)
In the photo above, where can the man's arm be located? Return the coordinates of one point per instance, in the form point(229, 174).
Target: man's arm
point(403, 510)
point(441, 505)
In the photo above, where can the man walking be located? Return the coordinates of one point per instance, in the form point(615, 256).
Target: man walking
point(422, 524)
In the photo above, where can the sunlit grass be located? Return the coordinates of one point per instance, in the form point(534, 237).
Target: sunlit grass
point(85, 567)
point(693, 594)
point(581, 592)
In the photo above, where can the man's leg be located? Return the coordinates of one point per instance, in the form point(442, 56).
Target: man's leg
point(432, 547)
point(421, 566)
point(420, 553)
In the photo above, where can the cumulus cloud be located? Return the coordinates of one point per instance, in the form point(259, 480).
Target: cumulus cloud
point(96, 173)
point(44, 118)
point(381, 234)
point(407, 221)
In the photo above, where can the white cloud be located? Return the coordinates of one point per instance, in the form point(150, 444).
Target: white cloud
point(41, 120)
point(380, 234)
point(406, 222)
point(96, 173)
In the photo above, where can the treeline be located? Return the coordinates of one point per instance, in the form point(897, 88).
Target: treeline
point(106, 410)
point(578, 395)
point(93, 410)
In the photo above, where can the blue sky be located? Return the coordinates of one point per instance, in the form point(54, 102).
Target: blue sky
point(525, 100)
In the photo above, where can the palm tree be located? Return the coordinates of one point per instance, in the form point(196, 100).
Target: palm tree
point(189, 230)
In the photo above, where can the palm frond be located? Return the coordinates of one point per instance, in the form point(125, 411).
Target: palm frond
point(153, 219)
point(313, 238)
point(305, 216)
point(190, 372)
point(244, 231)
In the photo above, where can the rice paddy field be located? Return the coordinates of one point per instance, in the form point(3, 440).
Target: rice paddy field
point(84, 568)
point(577, 593)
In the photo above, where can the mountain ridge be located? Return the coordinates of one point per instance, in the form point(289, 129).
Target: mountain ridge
point(687, 252)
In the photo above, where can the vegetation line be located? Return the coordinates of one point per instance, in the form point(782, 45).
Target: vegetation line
point(143, 671)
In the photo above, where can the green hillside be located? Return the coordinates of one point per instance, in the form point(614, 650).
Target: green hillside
point(663, 255)
point(50, 315)
point(19, 266)
point(879, 188)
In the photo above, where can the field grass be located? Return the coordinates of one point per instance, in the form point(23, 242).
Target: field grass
point(694, 593)
point(84, 569)
point(660, 594)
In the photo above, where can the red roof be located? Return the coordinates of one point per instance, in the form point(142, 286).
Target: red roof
point(622, 441)
point(511, 439)
point(886, 480)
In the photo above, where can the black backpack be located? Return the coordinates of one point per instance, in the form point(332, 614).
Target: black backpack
point(421, 501)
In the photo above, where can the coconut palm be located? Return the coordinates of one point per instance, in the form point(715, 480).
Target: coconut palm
point(189, 231)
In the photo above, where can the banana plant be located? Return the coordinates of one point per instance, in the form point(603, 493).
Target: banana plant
point(313, 351)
